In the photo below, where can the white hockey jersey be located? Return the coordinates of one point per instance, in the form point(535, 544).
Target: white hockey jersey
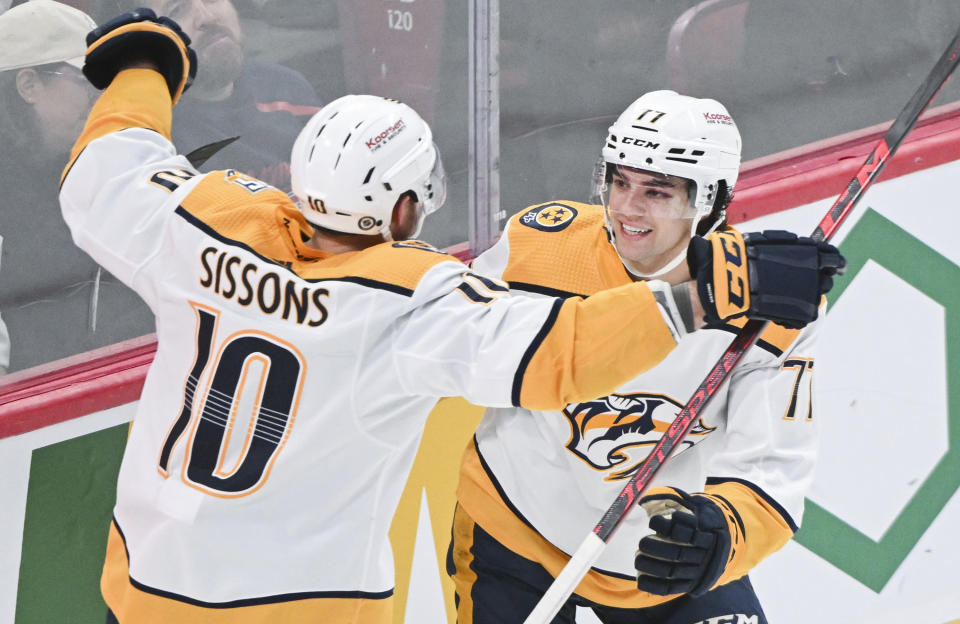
point(284, 406)
point(539, 481)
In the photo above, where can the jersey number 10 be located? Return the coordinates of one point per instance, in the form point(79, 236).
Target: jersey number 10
point(245, 360)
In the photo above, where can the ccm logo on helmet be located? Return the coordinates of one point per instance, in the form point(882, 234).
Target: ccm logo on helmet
point(639, 142)
point(376, 142)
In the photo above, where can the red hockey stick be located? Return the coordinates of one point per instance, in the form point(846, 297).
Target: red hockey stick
point(593, 545)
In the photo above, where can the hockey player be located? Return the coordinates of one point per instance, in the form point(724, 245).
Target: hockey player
point(300, 348)
point(533, 483)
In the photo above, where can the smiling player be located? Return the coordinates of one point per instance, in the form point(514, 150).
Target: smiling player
point(532, 483)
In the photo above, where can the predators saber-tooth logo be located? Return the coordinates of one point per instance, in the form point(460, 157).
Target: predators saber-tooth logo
point(614, 434)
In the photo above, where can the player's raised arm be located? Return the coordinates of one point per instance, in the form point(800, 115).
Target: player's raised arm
point(121, 181)
point(157, 64)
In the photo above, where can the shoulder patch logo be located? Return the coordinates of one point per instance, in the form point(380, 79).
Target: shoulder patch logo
point(241, 179)
point(549, 217)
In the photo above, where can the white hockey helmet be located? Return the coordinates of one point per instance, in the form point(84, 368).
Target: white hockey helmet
point(677, 135)
point(356, 157)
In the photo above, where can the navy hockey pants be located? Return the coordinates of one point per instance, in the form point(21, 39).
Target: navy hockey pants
point(507, 588)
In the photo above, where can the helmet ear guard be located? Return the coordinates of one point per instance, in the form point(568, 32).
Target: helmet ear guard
point(355, 158)
point(718, 214)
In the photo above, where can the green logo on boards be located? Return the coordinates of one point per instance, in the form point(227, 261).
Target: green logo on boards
point(874, 562)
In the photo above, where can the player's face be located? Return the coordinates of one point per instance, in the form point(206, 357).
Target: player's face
point(650, 216)
point(61, 98)
point(214, 28)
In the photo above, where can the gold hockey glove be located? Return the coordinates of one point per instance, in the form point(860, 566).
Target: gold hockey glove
point(136, 37)
point(771, 275)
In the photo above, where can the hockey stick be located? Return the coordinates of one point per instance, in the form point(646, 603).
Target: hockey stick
point(591, 547)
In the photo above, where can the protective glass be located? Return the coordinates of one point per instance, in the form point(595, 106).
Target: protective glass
point(437, 184)
point(69, 73)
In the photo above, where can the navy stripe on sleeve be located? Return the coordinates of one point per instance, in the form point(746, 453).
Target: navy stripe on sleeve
point(528, 355)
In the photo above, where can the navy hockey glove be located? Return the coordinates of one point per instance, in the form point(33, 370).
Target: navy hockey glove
point(772, 275)
point(690, 547)
point(140, 36)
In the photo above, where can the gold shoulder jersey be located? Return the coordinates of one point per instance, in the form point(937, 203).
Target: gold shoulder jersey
point(539, 480)
point(290, 387)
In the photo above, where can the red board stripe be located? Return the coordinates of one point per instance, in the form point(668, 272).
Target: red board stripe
point(820, 170)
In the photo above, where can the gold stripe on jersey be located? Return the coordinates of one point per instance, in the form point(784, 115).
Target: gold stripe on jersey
point(273, 228)
point(763, 529)
point(137, 98)
point(402, 264)
point(265, 219)
point(621, 327)
point(462, 555)
point(478, 497)
point(131, 604)
point(577, 259)
point(730, 274)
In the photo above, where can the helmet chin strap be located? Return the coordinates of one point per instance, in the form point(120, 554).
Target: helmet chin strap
point(680, 257)
point(421, 218)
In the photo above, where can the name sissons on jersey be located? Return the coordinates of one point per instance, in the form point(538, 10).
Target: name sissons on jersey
point(234, 279)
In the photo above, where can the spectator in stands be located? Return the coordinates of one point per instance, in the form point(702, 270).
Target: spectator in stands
point(54, 298)
point(291, 13)
point(265, 104)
